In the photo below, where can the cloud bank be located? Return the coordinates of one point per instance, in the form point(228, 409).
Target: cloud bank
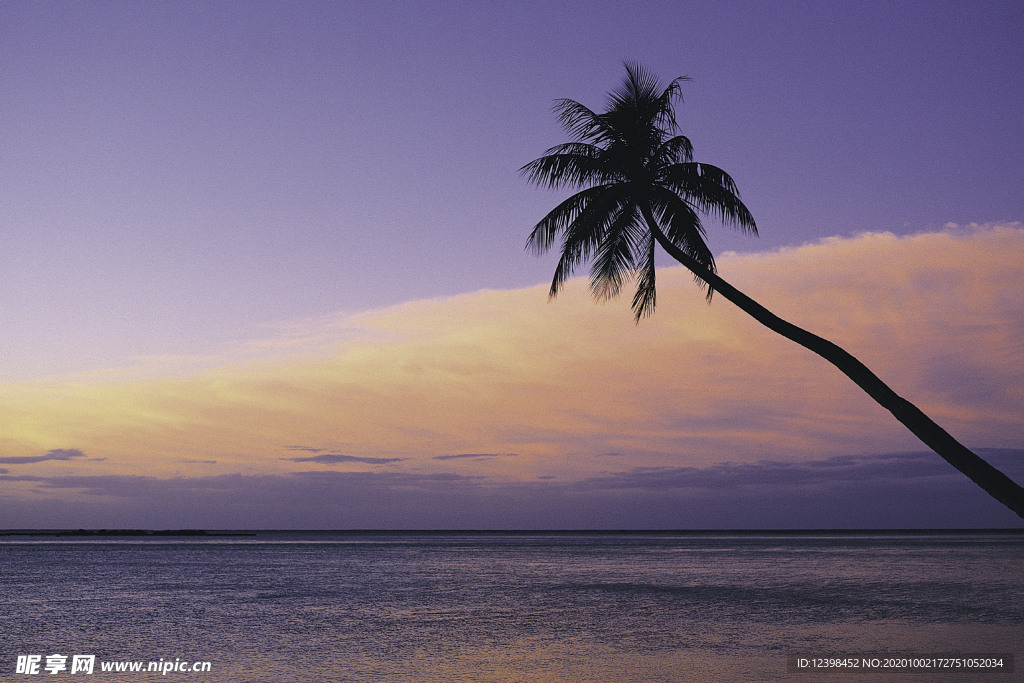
point(59, 454)
point(335, 458)
point(897, 490)
point(441, 390)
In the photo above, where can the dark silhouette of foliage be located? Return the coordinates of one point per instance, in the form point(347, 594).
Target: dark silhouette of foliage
point(640, 187)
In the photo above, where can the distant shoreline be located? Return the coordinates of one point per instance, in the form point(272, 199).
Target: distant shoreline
point(124, 532)
point(95, 533)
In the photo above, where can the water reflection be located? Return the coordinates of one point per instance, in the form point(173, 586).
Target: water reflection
point(509, 607)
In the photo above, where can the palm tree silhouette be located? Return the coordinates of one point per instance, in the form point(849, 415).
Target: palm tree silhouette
point(641, 187)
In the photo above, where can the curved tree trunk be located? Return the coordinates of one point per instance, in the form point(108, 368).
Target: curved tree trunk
point(997, 484)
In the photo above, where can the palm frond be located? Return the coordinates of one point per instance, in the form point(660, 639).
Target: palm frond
point(666, 117)
point(641, 94)
point(675, 150)
point(639, 86)
point(646, 294)
point(560, 218)
point(712, 191)
point(577, 119)
point(573, 164)
point(683, 227)
point(681, 224)
point(615, 255)
point(583, 235)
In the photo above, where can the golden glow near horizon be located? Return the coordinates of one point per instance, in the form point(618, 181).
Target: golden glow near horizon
point(507, 385)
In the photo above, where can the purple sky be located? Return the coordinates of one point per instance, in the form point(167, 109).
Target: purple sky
point(185, 181)
point(175, 175)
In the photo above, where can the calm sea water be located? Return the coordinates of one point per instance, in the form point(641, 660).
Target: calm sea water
point(292, 606)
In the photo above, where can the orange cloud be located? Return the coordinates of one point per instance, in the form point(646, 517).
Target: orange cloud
point(568, 389)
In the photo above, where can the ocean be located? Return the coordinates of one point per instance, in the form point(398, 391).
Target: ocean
point(293, 606)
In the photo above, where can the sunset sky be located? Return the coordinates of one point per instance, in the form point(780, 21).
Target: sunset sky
point(262, 266)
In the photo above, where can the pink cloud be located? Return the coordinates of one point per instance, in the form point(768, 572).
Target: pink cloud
point(562, 384)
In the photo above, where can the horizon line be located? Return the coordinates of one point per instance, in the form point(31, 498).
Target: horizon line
point(513, 531)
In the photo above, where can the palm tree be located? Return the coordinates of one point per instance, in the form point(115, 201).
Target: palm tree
point(641, 187)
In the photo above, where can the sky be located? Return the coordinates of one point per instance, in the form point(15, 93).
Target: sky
point(263, 265)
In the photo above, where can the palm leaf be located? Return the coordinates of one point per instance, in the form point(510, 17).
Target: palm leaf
point(559, 218)
point(646, 294)
point(677, 149)
point(583, 235)
point(614, 257)
point(711, 190)
point(682, 226)
point(578, 120)
point(573, 164)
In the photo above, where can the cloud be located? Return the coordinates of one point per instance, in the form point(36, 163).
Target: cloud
point(897, 490)
point(334, 458)
point(696, 393)
point(474, 456)
point(848, 469)
point(55, 454)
